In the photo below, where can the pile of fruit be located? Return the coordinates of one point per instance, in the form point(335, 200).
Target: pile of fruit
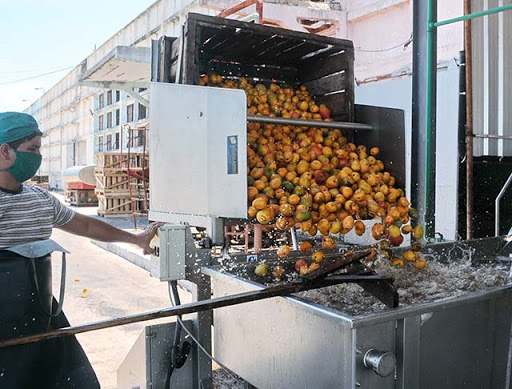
point(314, 178)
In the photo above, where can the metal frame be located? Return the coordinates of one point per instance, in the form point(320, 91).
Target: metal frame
point(497, 206)
point(424, 106)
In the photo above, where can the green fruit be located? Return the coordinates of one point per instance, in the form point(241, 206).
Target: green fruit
point(394, 231)
point(287, 186)
point(303, 216)
point(268, 171)
point(299, 190)
point(250, 181)
point(417, 233)
point(413, 213)
point(261, 270)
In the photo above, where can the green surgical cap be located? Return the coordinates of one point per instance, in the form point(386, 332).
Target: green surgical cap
point(17, 125)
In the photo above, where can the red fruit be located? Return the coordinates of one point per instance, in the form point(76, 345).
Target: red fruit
point(324, 111)
point(320, 177)
point(396, 241)
point(300, 263)
point(315, 150)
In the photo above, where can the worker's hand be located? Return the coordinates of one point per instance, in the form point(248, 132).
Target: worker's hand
point(144, 238)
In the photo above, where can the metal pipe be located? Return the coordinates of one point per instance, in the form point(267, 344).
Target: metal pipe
point(469, 15)
point(307, 123)
point(492, 136)
point(431, 124)
point(195, 307)
point(497, 206)
point(293, 233)
point(469, 122)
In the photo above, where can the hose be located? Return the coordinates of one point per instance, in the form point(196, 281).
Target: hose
point(172, 297)
point(179, 354)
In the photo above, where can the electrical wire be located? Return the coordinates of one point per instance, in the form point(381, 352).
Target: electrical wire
point(404, 45)
point(36, 76)
point(199, 344)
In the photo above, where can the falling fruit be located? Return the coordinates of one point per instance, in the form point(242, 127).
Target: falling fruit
point(318, 256)
point(261, 270)
point(278, 272)
point(306, 246)
point(283, 251)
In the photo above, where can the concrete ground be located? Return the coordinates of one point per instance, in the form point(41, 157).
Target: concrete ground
point(101, 285)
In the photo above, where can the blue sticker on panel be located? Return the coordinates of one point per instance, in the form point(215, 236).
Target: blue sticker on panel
point(233, 154)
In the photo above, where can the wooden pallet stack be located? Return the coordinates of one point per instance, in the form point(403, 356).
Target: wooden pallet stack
point(116, 189)
point(80, 194)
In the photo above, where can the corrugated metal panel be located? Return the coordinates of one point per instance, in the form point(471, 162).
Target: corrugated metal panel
point(492, 78)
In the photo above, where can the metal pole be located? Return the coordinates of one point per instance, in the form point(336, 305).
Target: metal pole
point(469, 121)
point(497, 206)
point(423, 171)
point(468, 15)
point(306, 123)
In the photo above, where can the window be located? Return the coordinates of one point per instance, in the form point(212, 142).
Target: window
point(100, 123)
point(116, 144)
point(118, 95)
point(142, 111)
point(100, 143)
point(142, 89)
point(141, 137)
point(129, 113)
point(109, 97)
point(109, 119)
point(101, 101)
point(109, 142)
point(118, 117)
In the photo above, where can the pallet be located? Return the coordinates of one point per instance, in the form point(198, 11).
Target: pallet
point(82, 197)
point(237, 49)
point(120, 204)
point(121, 160)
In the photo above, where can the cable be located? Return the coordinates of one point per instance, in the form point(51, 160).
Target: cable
point(36, 76)
point(207, 353)
point(404, 45)
point(178, 318)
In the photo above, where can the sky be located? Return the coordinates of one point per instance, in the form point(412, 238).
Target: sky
point(42, 40)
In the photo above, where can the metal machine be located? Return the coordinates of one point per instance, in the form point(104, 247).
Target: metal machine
point(198, 154)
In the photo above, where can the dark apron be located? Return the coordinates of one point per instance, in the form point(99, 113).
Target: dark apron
point(53, 363)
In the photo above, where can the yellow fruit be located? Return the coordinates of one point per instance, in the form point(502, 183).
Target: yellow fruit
point(328, 243)
point(378, 231)
point(314, 266)
point(278, 272)
point(348, 223)
point(318, 256)
point(359, 228)
point(261, 270)
point(409, 256)
point(406, 229)
point(264, 216)
point(398, 263)
point(420, 263)
point(283, 251)
point(417, 232)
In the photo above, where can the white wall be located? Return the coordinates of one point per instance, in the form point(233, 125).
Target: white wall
point(397, 93)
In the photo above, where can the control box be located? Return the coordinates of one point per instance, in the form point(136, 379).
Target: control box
point(168, 260)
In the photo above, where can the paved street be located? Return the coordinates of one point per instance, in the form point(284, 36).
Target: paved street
point(100, 286)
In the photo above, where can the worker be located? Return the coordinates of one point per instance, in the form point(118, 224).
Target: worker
point(27, 216)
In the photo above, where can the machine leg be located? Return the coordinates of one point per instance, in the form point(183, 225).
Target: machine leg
point(203, 324)
point(258, 238)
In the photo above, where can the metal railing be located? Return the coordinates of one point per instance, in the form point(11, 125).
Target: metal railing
point(497, 206)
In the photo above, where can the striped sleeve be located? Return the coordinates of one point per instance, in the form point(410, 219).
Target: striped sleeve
point(62, 215)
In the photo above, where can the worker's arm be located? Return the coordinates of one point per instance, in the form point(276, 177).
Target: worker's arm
point(98, 230)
